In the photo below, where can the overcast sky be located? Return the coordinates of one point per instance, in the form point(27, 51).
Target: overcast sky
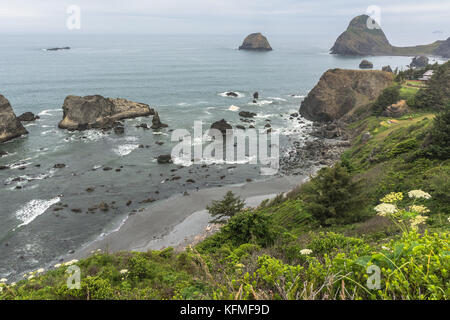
point(403, 21)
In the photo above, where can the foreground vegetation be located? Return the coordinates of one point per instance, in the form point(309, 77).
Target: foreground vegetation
point(384, 210)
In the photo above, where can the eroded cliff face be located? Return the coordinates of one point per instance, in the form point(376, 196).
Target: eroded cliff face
point(340, 91)
point(10, 126)
point(256, 42)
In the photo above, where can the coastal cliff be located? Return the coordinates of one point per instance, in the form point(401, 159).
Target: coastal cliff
point(10, 126)
point(359, 40)
point(340, 91)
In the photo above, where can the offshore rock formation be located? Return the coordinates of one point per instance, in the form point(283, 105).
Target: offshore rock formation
point(81, 113)
point(360, 40)
point(256, 42)
point(10, 126)
point(366, 64)
point(341, 91)
point(28, 117)
point(222, 126)
point(419, 62)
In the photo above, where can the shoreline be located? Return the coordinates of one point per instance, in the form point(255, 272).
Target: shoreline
point(178, 220)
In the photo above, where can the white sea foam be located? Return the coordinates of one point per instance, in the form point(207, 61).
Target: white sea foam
point(277, 98)
point(233, 108)
point(48, 112)
point(261, 102)
point(34, 209)
point(125, 149)
point(297, 96)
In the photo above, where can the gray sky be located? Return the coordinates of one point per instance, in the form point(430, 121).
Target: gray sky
point(404, 22)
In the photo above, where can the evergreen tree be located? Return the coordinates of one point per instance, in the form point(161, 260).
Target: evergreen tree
point(226, 208)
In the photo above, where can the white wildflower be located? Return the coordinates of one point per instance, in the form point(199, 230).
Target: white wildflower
point(123, 271)
point(385, 208)
point(41, 270)
point(306, 251)
point(419, 194)
point(3, 280)
point(385, 248)
point(58, 265)
point(31, 277)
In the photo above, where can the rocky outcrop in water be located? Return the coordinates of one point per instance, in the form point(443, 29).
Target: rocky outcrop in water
point(156, 122)
point(97, 112)
point(247, 114)
point(419, 62)
point(364, 37)
point(27, 117)
point(256, 42)
point(341, 91)
point(58, 48)
point(222, 126)
point(366, 64)
point(10, 126)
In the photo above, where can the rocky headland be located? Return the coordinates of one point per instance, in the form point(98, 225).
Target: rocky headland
point(97, 112)
point(256, 42)
point(360, 40)
point(340, 91)
point(10, 126)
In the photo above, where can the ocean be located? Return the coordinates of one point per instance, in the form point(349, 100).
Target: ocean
point(183, 77)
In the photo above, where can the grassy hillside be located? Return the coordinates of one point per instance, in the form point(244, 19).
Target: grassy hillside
point(387, 208)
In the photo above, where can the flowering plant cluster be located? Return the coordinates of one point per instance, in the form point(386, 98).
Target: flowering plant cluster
point(409, 217)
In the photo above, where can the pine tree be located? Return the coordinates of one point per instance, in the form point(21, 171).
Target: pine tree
point(226, 208)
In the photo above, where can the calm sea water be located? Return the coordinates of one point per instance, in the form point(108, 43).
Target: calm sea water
point(183, 77)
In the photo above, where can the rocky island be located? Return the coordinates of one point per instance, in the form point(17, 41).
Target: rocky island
point(256, 42)
point(341, 91)
point(10, 126)
point(81, 113)
point(359, 40)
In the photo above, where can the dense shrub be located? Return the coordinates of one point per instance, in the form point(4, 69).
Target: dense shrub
point(437, 94)
point(437, 144)
point(331, 196)
point(389, 96)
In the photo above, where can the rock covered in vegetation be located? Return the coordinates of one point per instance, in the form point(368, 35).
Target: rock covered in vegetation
point(10, 126)
point(81, 113)
point(341, 91)
point(364, 37)
point(256, 42)
point(419, 62)
point(366, 64)
point(396, 110)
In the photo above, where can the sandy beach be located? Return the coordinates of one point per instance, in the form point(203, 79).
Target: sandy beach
point(176, 221)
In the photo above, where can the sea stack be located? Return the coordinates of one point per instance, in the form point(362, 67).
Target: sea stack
point(10, 126)
point(256, 42)
point(97, 112)
point(364, 37)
